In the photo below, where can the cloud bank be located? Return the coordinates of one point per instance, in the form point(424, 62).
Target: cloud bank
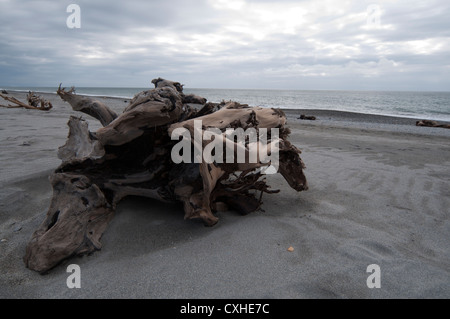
point(345, 45)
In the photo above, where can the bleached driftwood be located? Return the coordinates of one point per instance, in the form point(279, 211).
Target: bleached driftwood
point(131, 155)
point(35, 102)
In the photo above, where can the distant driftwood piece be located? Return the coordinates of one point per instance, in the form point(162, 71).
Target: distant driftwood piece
point(131, 155)
point(35, 102)
point(431, 124)
point(309, 118)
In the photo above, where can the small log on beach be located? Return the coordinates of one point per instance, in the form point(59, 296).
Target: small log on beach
point(308, 118)
point(134, 154)
point(429, 123)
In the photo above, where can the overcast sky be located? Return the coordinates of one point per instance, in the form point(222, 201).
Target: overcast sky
point(353, 45)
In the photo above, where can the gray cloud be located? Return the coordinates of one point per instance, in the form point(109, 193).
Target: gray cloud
point(233, 43)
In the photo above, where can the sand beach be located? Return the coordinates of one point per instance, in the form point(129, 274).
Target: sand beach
point(378, 194)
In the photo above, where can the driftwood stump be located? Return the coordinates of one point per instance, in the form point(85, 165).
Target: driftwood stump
point(132, 154)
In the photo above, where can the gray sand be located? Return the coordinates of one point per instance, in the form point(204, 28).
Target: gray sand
point(379, 194)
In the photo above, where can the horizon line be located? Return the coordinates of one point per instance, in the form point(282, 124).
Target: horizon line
point(243, 89)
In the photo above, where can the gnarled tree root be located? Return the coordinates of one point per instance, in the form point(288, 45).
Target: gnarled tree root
point(132, 155)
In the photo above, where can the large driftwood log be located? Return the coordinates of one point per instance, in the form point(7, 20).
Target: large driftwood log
point(132, 155)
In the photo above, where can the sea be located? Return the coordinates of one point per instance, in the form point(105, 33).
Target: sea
point(417, 105)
